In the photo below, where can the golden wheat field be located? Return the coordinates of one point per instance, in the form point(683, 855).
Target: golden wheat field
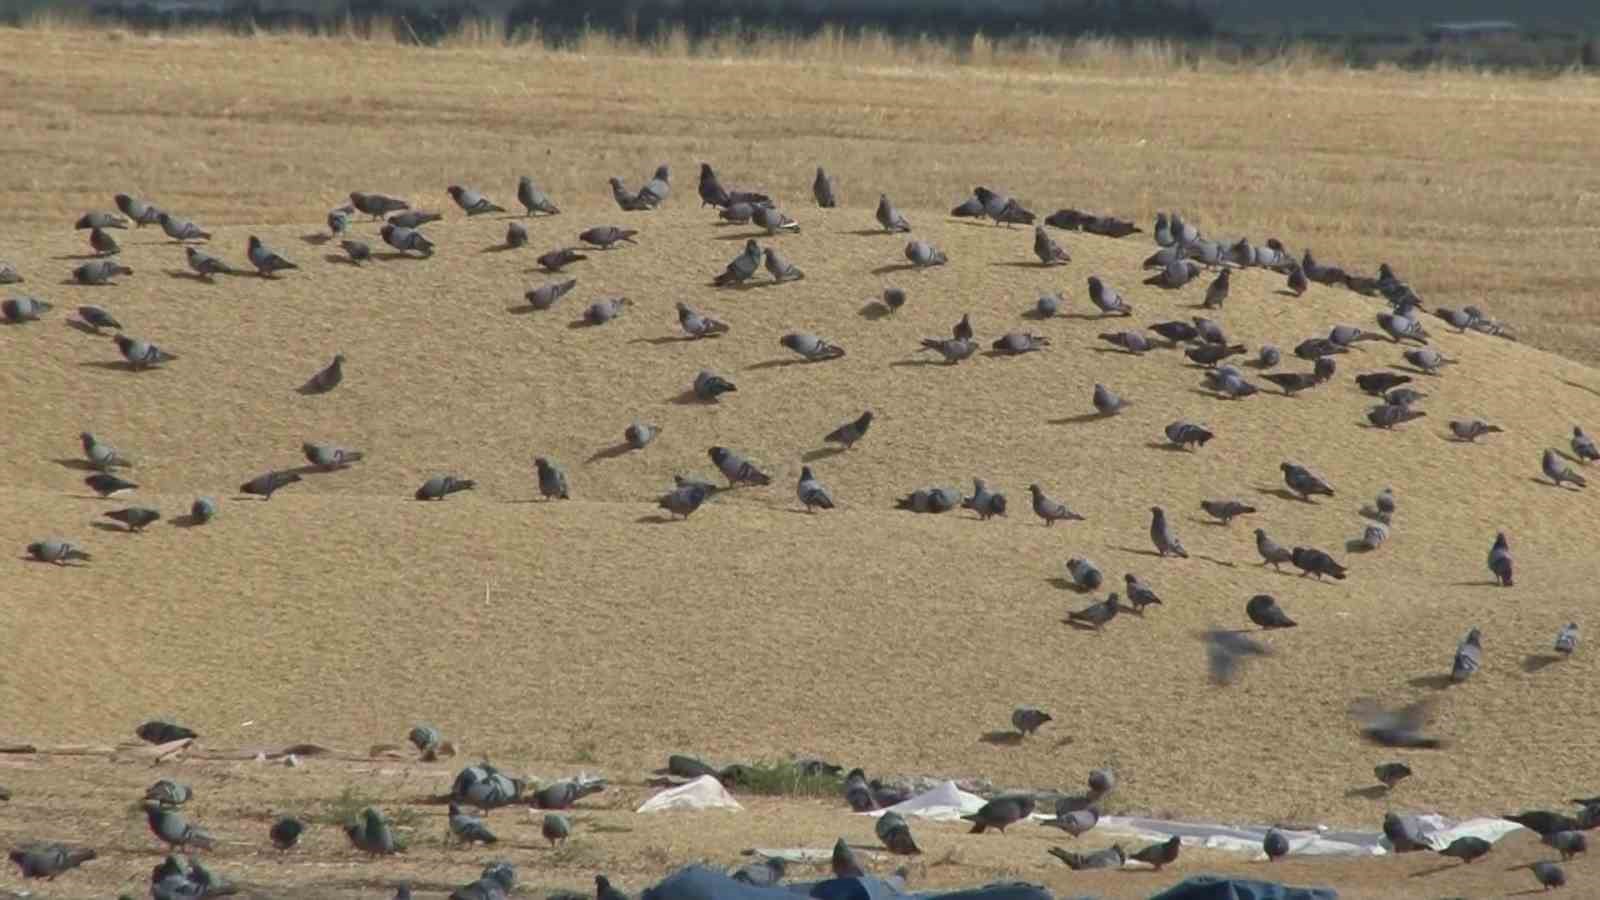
point(553, 637)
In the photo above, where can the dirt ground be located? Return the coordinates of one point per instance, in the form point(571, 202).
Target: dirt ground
point(589, 634)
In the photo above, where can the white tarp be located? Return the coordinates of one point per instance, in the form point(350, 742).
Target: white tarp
point(943, 803)
point(705, 792)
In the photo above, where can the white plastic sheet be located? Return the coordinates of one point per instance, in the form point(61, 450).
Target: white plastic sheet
point(941, 804)
point(705, 792)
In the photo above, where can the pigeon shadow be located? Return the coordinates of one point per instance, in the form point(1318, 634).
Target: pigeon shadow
point(1039, 315)
point(811, 456)
point(690, 398)
point(1092, 317)
point(1082, 626)
point(1412, 370)
point(1357, 545)
point(184, 275)
point(340, 258)
point(65, 564)
point(868, 232)
point(1117, 350)
point(522, 310)
point(308, 390)
point(670, 339)
point(611, 452)
point(1535, 663)
point(107, 526)
point(80, 256)
point(498, 248)
point(117, 366)
point(777, 364)
point(1067, 584)
point(82, 465)
point(1214, 561)
point(1282, 494)
point(655, 519)
point(584, 323)
point(1525, 893)
point(1581, 387)
point(1135, 551)
point(1165, 445)
point(1370, 792)
point(892, 268)
point(391, 255)
point(1285, 292)
point(1542, 482)
point(1002, 738)
point(85, 327)
point(743, 236)
point(316, 238)
point(1082, 419)
point(1431, 682)
point(919, 362)
point(187, 520)
point(875, 310)
point(1482, 582)
point(1022, 264)
point(1436, 870)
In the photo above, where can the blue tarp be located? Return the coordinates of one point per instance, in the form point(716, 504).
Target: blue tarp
point(700, 883)
point(1213, 887)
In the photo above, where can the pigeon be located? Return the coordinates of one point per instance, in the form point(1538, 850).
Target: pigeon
point(268, 483)
point(1176, 332)
point(825, 190)
point(1569, 843)
point(844, 863)
point(1543, 822)
point(1403, 396)
point(737, 213)
point(135, 517)
point(895, 834)
point(357, 251)
point(774, 220)
point(1427, 359)
point(810, 347)
point(682, 501)
point(414, 219)
point(1263, 610)
point(556, 260)
point(603, 890)
point(516, 235)
point(1226, 652)
point(173, 829)
point(23, 309)
point(953, 350)
point(327, 378)
point(441, 486)
point(1275, 845)
point(766, 872)
point(469, 829)
point(984, 502)
point(1106, 299)
point(180, 229)
point(1557, 472)
point(48, 860)
point(267, 261)
point(812, 493)
point(1140, 595)
point(552, 481)
point(1404, 833)
point(1075, 822)
point(962, 330)
point(285, 832)
point(1387, 415)
point(406, 240)
point(607, 236)
point(1187, 434)
point(1312, 349)
point(602, 311)
point(627, 201)
point(1049, 252)
point(142, 213)
point(495, 883)
point(1111, 857)
point(1000, 813)
point(534, 200)
point(1548, 874)
point(1567, 639)
point(108, 485)
point(1107, 403)
point(372, 834)
point(1272, 554)
point(1467, 849)
point(1208, 330)
point(1372, 537)
point(889, 217)
point(1050, 510)
point(923, 255)
point(1583, 446)
point(1177, 273)
point(1211, 354)
point(97, 318)
point(1395, 728)
point(1468, 658)
point(709, 386)
point(1470, 430)
point(1085, 575)
point(1162, 536)
point(894, 298)
point(1217, 291)
point(1017, 342)
point(485, 787)
point(638, 435)
point(1402, 328)
point(1297, 282)
point(742, 267)
point(1225, 510)
point(471, 202)
point(545, 295)
point(204, 264)
point(850, 432)
point(930, 500)
point(1348, 335)
point(9, 274)
point(1048, 306)
point(697, 325)
point(736, 468)
point(1028, 720)
point(1500, 560)
point(376, 205)
point(1096, 615)
point(1293, 382)
point(1391, 774)
point(1311, 561)
point(103, 244)
point(100, 220)
point(168, 793)
point(1161, 854)
point(158, 732)
point(100, 272)
point(555, 828)
point(1303, 482)
point(656, 190)
point(1132, 341)
point(1379, 382)
point(1320, 273)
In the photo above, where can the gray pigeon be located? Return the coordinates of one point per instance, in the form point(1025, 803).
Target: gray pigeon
point(1140, 595)
point(1391, 774)
point(1085, 575)
point(141, 212)
point(1111, 857)
point(1134, 342)
point(684, 499)
point(708, 386)
point(1569, 843)
point(545, 295)
point(1557, 471)
point(1075, 822)
point(61, 553)
point(268, 483)
point(173, 829)
point(357, 251)
point(850, 432)
point(97, 318)
point(984, 502)
point(1470, 430)
point(1549, 875)
point(376, 205)
point(1427, 359)
point(810, 347)
point(1303, 482)
point(1177, 273)
point(742, 267)
point(697, 325)
point(1567, 639)
point(812, 493)
point(1049, 252)
point(638, 435)
point(738, 213)
point(824, 190)
point(1583, 446)
point(440, 486)
point(656, 190)
point(1096, 615)
point(1018, 342)
point(1225, 510)
point(141, 354)
point(1384, 504)
point(923, 255)
point(485, 787)
point(103, 244)
point(558, 259)
point(930, 500)
point(327, 378)
point(1161, 534)
point(1217, 291)
point(406, 240)
point(534, 200)
point(1275, 845)
point(999, 813)
point(1187, 434)
point(204, 264)
point(1263, 610)
point(371, 833)
point(1028, 719)
point(471, 202)
point(100, 454)
point(285, 833)
point(9, 274)
point(774, 220)
point(895, 834)
point(100, 220)
point(1051, 510)
point(180, 229)
point(1048, 306)
point(1107, 403)
point(607, 236)
point(736, 468)
point(844, 863)
point(48, 860)
point(1106, 299)
point(339, 220)
point(516, 235)
point(1268, 356)
point(1468, 658)
point(953, 350)
point(555, 828)
point(765, 872)
point(1226, 652)
point(602, 311)
point(135, 517)
point(603, 890)
point(1388, 415)
point(168, 793)
point(469, 829)
point(1372, 537)
point(1467, 849)
point(99, 272)
point(1161, 854)
point(889, 217)
point(552, 481)
point(627, 201)
point(1272, 553)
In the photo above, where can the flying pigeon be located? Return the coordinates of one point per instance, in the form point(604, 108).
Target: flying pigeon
point(1226, 652)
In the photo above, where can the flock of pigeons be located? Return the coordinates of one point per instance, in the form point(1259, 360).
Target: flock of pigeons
point(1182, 257)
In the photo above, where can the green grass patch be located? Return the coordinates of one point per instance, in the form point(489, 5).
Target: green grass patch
point(785, 779)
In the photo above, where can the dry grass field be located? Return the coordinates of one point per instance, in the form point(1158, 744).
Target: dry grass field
point(554, 637)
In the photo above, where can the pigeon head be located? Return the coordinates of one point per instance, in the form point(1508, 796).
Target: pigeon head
point(454, 191)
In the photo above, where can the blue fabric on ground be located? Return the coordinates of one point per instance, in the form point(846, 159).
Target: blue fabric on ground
point(1212, 887)
point(701, 883)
